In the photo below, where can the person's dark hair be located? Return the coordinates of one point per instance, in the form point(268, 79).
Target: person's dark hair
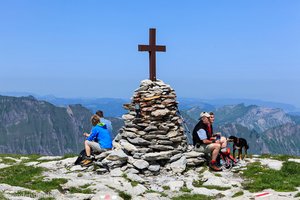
point(99, 113)
point(211, 113)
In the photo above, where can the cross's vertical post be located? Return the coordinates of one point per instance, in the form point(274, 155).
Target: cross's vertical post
point(152, 48)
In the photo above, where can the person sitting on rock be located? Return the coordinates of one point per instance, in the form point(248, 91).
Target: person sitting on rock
point(105, 121)
point(202, 140)
point(98, 140)
point(217, 136)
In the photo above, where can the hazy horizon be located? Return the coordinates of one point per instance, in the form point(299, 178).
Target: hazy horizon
point(211, 101)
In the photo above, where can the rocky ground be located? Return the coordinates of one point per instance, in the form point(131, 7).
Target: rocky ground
point(117, 182)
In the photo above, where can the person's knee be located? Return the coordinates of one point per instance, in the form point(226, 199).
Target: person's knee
point(217, 146)
point(87, 143)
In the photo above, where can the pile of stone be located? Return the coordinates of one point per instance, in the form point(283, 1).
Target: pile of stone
point(152, 138)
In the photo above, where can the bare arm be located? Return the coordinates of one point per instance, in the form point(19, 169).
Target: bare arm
point(86, 134)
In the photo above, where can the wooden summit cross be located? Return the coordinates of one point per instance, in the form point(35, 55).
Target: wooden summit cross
point(152, 48)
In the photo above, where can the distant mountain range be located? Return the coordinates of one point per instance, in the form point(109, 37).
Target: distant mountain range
point(29, 125)
point(112, 107)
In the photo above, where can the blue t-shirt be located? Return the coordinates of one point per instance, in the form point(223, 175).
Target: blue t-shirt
point(108, 125)
point(100, 134)
point(202, 134)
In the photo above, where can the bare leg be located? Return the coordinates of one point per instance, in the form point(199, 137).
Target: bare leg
point(215, 151)
point(223, 141)
point(87, 148)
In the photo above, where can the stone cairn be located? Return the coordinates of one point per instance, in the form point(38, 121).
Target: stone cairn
point(152, 138)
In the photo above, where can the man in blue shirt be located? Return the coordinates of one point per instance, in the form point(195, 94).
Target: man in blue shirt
point(98, 140)
point(106, 122)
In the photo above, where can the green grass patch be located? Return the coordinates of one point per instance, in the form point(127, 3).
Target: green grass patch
point(24, 193)
point(151, 191)
point(204, 168)
point(185, 189)
point(80, 190)
point(193, 197)
point(7, 160)
point(199, 183)
point(31, 158)
point(124, 195)
point(134, 183)
point(240, 193)
point(2, 197)
point(165, 187)
point(29, 177)
point(218, 175)
point(284, 180)
point(47, 198)
point(297, 195)
point(216, 187)
point(69, 155)
point(161, 193)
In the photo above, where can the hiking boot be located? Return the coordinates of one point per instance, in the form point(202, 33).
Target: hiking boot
point(214, 167)
point(87, 162)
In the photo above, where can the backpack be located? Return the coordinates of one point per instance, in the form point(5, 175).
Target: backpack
point(80, 158)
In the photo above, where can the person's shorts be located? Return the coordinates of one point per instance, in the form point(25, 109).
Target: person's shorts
point(94, 146)
point(204, 148)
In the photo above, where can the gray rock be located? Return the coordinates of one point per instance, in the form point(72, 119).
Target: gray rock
point(138, 141)
point(193, 154)
point(177, 139)
point(117, 155)
point(101, 171)
point(173, 134)
point(128, 134)
point(154, 168)
point(132, 171)
point(128, 117)
point(165, 155)
point(135, 177)
point(164, 142)
point(116, 172)
point(160, 112)
point(138, 155)
point(161, 147)
point(102, 155)
point(138, 190)
point(194, 161)
point(150, 128)
point(179, 165)
point(141, 164)
point(112, 163)
point(175, 185)
point(127, 146)
point(175, 157)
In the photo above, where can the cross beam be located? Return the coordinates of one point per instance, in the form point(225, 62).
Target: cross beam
point(152, 48)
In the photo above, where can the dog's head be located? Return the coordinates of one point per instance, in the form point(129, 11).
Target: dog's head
point(232, 139)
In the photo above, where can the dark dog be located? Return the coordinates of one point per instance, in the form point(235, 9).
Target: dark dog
point(239, 144)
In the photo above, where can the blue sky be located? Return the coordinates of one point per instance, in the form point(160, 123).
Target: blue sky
point(215, 49)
